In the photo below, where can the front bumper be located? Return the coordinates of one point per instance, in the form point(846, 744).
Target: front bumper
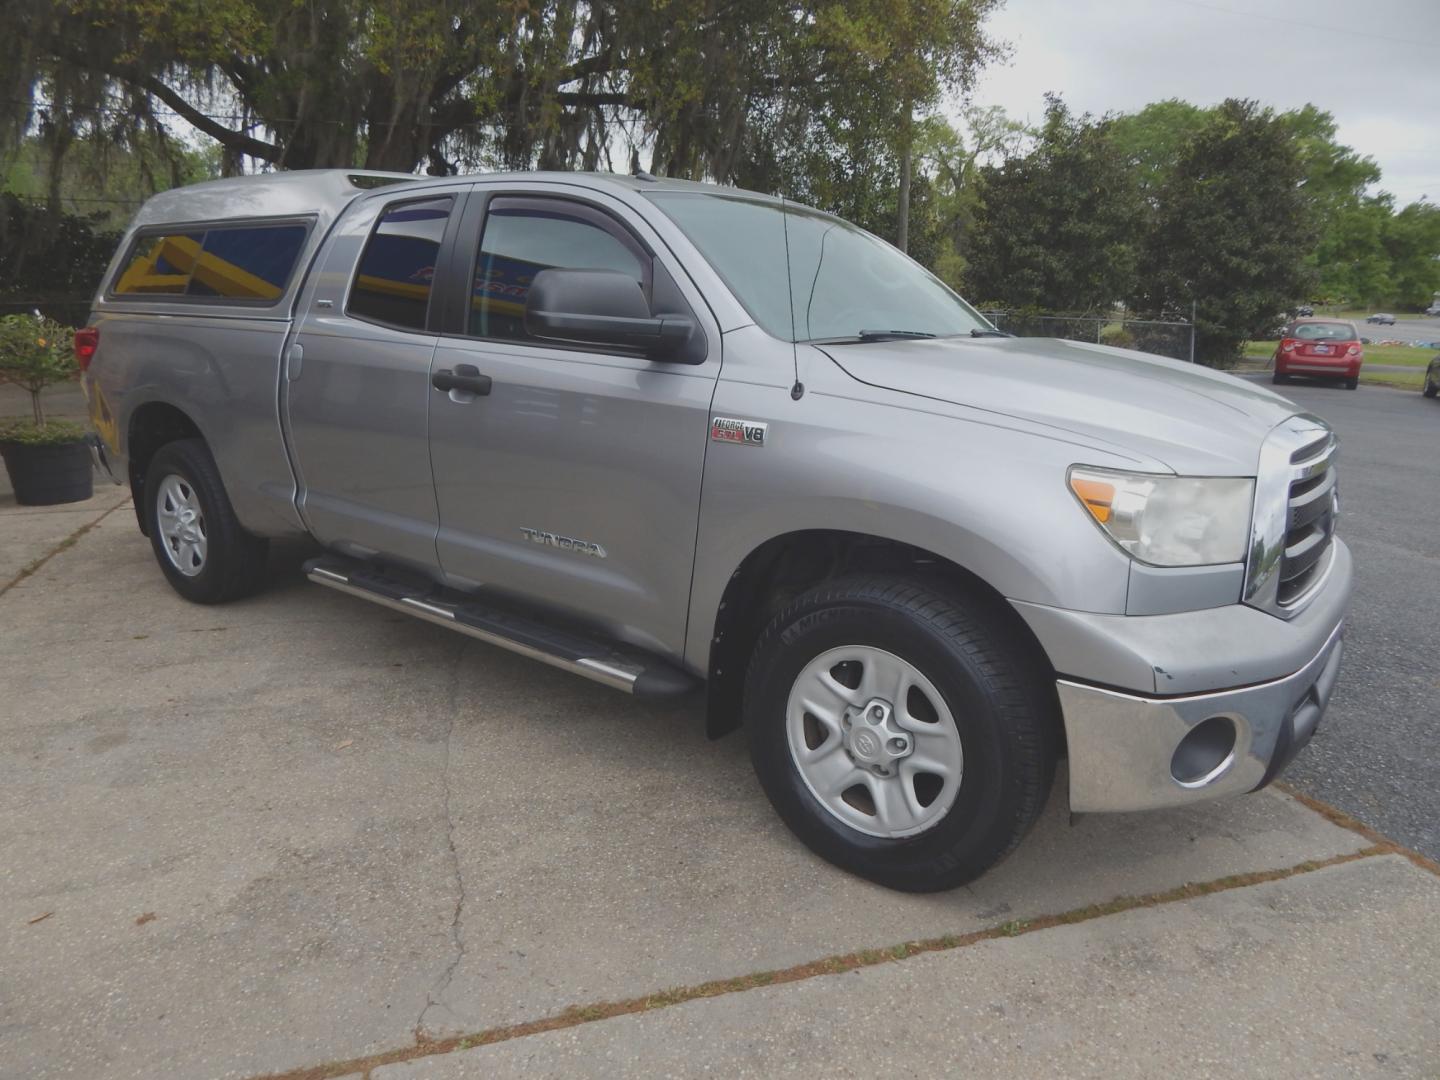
point(1126, 750)
point(100, 459)
point(1133, 689)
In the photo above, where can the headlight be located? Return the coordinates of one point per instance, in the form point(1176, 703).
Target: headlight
point(1169, 520)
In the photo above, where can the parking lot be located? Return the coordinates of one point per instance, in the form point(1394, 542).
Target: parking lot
point(302, 835)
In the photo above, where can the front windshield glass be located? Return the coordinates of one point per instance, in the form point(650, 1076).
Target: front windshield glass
point(842, 282)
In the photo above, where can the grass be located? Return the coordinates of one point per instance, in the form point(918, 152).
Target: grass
point(1405, 355)
point(1401, 380)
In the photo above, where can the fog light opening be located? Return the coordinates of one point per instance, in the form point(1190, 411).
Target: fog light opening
point(1204, 753)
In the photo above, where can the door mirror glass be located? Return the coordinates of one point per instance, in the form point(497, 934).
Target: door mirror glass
point(602, 307)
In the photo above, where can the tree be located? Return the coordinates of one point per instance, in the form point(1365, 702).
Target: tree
point(1152, 139)
point(1056, 230)
point(698, 87)
point(1412, 240)
point(1230, 229)
point(948, 159)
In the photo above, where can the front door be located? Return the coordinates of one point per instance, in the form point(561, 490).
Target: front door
point(357, 381)
point(575, 480)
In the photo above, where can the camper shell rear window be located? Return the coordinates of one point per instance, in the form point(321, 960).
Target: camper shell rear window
point(248, 263)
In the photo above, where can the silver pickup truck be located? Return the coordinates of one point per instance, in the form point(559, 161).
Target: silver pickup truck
point(661, 434)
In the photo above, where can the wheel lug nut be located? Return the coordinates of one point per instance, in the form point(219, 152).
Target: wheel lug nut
point(897, 745)
point(877, 712)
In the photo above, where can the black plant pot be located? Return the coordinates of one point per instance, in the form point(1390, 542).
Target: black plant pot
point(46, 475)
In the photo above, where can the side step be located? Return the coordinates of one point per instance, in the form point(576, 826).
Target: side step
point(631, 671)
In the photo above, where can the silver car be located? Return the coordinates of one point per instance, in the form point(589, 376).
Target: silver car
point(668, 436)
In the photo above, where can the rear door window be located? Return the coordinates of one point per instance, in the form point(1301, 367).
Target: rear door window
point(526, 235)
point(393, 281)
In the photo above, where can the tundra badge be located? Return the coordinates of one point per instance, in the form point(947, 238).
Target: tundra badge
point(564, 543)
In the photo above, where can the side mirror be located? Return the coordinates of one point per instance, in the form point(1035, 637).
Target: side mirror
point(602, 307)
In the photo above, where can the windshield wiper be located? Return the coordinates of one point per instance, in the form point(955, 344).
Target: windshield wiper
point(891, 335)
point(977, 332)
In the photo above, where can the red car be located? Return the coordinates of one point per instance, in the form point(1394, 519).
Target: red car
point(1320, 349)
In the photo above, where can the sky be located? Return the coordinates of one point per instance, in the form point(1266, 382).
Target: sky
point(1375, 66)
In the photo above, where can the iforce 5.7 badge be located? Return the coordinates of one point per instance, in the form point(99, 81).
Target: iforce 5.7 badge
point(748, 432)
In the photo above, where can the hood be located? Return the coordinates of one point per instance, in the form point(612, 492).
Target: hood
point(1195, 420)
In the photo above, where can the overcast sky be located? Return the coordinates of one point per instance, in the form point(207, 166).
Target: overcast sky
point(1374, 65)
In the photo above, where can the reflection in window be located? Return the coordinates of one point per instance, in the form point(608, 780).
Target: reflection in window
point(392, 282)
point(160, 265)
point(523, 238)
point(250, 263)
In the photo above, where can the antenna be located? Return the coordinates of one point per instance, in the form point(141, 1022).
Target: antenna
point(797, 391)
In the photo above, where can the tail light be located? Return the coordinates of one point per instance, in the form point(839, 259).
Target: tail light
point(87, 340)
point(1353, 350)
point(1288, 346)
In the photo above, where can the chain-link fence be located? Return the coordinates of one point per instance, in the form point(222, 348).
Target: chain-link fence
point(1173, 339)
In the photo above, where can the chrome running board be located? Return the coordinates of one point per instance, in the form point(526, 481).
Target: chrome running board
point(617, 667)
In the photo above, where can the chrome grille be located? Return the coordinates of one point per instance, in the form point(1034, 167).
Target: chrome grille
point(1310, 524)
point(1296, 504)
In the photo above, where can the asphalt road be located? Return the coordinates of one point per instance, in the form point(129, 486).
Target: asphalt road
point(1403, 330)
point(1377, 754)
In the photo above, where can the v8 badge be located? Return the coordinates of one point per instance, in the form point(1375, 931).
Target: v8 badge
point(728, 430)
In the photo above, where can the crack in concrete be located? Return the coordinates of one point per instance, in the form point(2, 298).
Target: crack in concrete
point(576, 1015)
point(35, 565)
point(436, 996)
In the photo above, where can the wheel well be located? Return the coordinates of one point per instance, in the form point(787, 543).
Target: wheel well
point(783, 568)
point(154, 424)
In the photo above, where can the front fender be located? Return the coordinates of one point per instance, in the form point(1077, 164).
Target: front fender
point(989, 497)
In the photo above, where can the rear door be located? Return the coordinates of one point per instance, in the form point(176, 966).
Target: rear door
point(575, 480)
point(357, 379)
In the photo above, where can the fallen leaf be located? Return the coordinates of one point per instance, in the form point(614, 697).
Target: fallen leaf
point(149, 916)
point(343, 745)
point(41, 918)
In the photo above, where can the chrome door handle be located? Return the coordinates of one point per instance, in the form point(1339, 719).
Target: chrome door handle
point(294, 361)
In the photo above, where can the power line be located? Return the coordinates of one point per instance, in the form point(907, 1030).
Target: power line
point(1305, 24)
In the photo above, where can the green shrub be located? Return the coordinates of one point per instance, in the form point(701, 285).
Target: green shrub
point(51, 433)
point(1118, 337)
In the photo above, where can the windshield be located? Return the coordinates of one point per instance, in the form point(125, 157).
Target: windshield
point(842, 282)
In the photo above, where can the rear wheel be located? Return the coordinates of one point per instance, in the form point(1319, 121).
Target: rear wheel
point(1351, 384)
point(1430, 389)
point(899, 735)
point(1277, 378)
point(201, 547)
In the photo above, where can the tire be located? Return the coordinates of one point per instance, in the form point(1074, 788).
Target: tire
point(1277, 378)
point(1351, 384)
point(209, 558)
point(990, 694)
point(1430, 389)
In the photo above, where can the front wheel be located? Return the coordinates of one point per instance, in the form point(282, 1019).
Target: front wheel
point(1430, 389)
point(899, 734)
point(204, 552)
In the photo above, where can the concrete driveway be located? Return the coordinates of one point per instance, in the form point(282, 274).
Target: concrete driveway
point(302, 835)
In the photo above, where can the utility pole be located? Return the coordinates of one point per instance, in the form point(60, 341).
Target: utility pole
point(902, 232)
point(1192, 330)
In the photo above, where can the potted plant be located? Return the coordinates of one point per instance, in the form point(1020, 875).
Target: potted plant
point(48, 460)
